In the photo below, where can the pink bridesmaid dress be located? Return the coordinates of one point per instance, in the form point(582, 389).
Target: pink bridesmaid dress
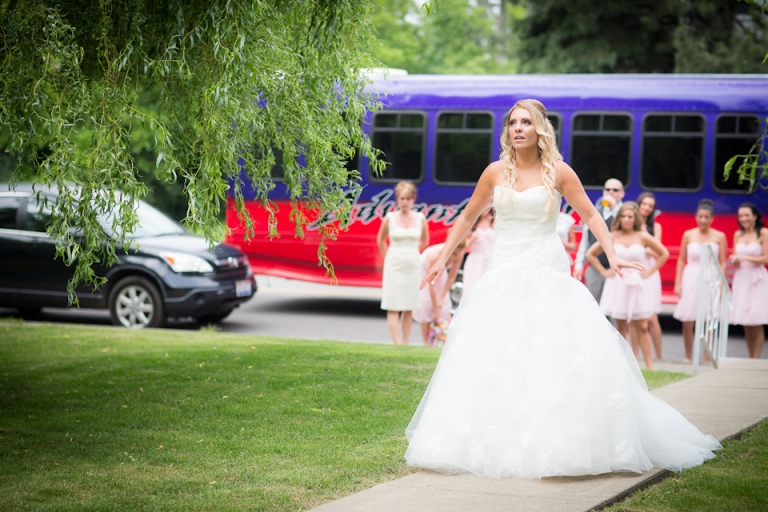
point(424, 313)
point(628, 298)
point(685, 311)
point(749, 288)
point(479, 258)
point(653, 285)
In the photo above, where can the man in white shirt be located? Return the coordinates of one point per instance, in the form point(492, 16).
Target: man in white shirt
point(608, 206)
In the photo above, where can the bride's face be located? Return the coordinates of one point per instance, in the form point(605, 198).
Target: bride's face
point(522, 134)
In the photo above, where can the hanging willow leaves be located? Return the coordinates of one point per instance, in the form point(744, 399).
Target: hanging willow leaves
point(753, 167)
point(228, 76)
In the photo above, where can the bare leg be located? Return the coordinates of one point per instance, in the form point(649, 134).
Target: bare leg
point(622, 326)
point(755, 336)
point(655, 329)
point(407, 323)
point(425, 332)
point(641, 329)
point(688, 340)
point(393, 322)
point(633, 343)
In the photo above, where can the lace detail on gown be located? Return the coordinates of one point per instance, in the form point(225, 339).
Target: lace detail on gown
point(533, 380)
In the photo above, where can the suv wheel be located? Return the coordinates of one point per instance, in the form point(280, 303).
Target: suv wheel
point(135, 303)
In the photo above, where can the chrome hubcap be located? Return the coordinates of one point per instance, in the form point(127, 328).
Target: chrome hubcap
point(135, 307)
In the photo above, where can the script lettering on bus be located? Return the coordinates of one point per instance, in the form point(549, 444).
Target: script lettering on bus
point(381, 203)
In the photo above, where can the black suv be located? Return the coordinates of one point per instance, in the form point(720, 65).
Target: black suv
point(167, 273)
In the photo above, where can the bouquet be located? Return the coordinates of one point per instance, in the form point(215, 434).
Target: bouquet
point(437, 332)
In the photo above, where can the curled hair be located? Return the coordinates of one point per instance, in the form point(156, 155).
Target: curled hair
point(759, 224)
point(706, 204)
point(549, 156)
point(650, 221)
point(629, 205)
point(407, 187)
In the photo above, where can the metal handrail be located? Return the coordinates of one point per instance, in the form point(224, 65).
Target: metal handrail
point(712, 310)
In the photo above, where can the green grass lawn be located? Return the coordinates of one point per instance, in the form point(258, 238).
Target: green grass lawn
point(99, 418)
point(735, 480)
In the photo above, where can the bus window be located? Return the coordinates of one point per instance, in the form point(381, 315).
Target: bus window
point(400, 136)
point(555, 120)
point(734, 135)
point(464, 146)
point(673, 152)
point(600, 147)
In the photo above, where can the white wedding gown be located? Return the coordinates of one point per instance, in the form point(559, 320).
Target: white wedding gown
point(533, 380)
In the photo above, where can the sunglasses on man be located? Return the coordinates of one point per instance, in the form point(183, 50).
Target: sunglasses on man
point(612, 190)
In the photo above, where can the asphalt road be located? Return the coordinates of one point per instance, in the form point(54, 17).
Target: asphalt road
point(288, 308)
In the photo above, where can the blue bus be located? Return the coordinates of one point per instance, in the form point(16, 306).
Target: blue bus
point(668, 134)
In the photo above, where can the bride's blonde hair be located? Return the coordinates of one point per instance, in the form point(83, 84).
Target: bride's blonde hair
point(548, 152)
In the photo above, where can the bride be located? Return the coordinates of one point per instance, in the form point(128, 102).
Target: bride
point(533, 380)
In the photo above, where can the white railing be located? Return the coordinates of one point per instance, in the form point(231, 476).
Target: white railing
point(712, 311)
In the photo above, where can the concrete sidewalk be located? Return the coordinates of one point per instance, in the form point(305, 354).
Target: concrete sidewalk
point(723, 403)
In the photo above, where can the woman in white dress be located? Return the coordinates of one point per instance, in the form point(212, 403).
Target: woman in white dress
point(408, 235)
point(534, 381)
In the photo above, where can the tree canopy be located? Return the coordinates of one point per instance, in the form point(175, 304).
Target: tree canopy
point(232, 81)
point(574, 36)
point(456, 36)
point(644, 36)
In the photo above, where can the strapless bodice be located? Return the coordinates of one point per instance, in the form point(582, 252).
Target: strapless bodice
point(694, 251)
point(634, 252)
point(750, 249)
point(524, 234)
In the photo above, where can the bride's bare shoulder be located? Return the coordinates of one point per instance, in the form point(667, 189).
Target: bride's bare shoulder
point(493, 173)
point(565, 176)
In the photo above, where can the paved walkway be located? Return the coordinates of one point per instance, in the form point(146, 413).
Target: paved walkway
point(722, 402)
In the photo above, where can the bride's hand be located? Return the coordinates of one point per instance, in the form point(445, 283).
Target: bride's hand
point(617, 264)
point(435, 271)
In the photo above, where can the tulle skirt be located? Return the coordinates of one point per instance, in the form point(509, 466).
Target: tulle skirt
point(535, 382)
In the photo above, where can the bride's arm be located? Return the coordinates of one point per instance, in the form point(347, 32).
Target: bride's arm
point(480, 199)
point(570, 186)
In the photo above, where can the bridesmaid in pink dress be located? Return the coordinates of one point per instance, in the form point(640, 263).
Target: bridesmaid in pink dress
point(479, 243)
point(627, 300)
point(750, 281)
point(646, 205)
point(435, 299)
point(687, 271)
